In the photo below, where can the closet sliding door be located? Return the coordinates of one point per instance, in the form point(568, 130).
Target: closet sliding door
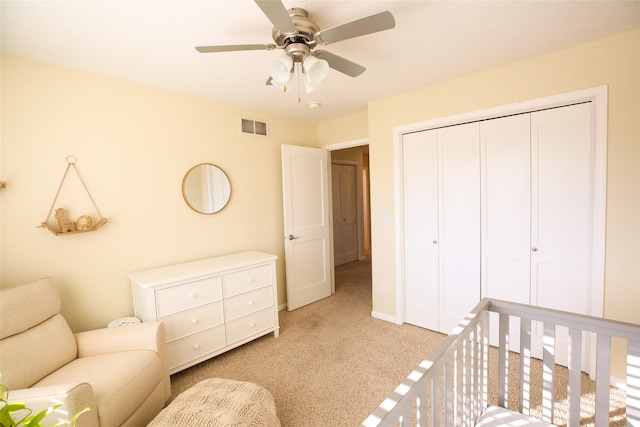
point(421, 213)
point(501, 208)
point(562, 159)
point(441, 188)
point(537, 204)
point(505, 145)
point(459, 224)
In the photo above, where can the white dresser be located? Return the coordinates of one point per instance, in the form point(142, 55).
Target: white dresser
point(209, 306)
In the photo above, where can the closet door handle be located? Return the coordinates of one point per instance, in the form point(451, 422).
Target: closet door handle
point(292, 237)
point(435, 242)
point(534, 249)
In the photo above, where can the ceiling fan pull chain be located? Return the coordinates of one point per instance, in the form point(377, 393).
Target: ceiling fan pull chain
point(298, 73)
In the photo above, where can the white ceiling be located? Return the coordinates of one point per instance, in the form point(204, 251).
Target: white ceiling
point(152, 42)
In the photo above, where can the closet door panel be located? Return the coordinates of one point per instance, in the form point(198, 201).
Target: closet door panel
point(562, 150)
point(420, 187)
point(506, 215)
point(506, 208)
point(459, 226)
point(562, 170)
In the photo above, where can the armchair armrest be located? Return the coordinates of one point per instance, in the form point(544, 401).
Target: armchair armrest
point(143, 336)
point(73, 397)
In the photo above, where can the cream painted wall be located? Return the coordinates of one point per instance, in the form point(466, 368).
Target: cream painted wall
point(349, 128)
point(613, 61)
point(133, 144)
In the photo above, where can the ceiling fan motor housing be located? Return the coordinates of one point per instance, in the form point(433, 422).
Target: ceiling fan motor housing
point(304, 35)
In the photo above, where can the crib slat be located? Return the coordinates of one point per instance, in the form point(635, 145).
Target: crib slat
point(603, 366)
point(484, 358)
point(525, 366)
point(435, 400)
point(466, 383)
point(633, 383)
point(459, 386)
point(503, 364)
point(476, 393)
point(448, 393)
point(422, 408)
point(573, 393)
point(548, 370)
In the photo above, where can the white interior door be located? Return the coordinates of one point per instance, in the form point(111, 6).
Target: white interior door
point(506, 214)
point(562, 199)
point(441, 193)
point(345, 214)
point(420, 193)
point(307, 224)
point(459, 225)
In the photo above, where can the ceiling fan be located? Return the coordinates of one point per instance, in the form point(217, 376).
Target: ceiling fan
point(297, 34)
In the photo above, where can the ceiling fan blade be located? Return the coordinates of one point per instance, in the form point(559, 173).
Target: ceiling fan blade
point(338, 63)
point(277, 14)
point(235, 48)
point(371, 24)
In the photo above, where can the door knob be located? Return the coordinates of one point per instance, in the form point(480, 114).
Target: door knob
point(534, 249)
point(292, 237)
point(435, 242)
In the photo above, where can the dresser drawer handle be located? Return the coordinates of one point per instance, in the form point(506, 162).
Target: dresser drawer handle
point(196, 346)
point(194, 321)
point(250, 302)
point(252, 325)
point(192, 295)
point(248, 280)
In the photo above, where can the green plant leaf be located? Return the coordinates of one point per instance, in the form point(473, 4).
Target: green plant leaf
point(35, 420)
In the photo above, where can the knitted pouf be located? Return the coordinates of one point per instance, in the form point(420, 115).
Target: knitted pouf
point(219, 402)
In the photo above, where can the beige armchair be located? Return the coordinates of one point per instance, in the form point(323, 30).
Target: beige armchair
point(120, 373)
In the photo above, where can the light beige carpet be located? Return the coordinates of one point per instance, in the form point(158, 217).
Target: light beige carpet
point(333, 363)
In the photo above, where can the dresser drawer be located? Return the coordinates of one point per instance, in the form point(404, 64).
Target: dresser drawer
point(183, 297)
point(248, 303)
point(195, 346)
point(249, 325)
point(246, 280)
point(192, 321)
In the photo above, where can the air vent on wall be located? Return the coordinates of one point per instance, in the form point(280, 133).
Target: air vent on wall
point(253, 127)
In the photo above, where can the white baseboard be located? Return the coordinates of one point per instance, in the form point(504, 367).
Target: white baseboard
point(282, 307)
point(385, 317)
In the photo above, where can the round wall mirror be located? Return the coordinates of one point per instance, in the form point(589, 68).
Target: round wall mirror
point(206, 188)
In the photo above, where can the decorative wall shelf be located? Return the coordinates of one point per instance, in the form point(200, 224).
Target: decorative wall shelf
point(84, 222)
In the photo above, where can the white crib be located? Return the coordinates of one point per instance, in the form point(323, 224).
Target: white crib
point(466, 382)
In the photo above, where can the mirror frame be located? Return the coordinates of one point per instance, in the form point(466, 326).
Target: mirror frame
point(184, 194)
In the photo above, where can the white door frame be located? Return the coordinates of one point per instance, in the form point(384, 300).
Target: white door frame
point(597, 95)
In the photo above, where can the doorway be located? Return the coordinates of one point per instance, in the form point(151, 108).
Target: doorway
point(350, 168)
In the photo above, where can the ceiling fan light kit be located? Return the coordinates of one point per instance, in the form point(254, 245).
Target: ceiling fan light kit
point(279, 68)
point(298, 35)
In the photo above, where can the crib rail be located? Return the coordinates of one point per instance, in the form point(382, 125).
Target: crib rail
point(451, 386)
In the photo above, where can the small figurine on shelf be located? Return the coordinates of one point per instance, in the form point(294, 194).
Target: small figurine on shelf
point(66, 226)
point(84, 223)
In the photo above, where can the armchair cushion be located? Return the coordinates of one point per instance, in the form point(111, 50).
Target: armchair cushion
point(32, 327)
